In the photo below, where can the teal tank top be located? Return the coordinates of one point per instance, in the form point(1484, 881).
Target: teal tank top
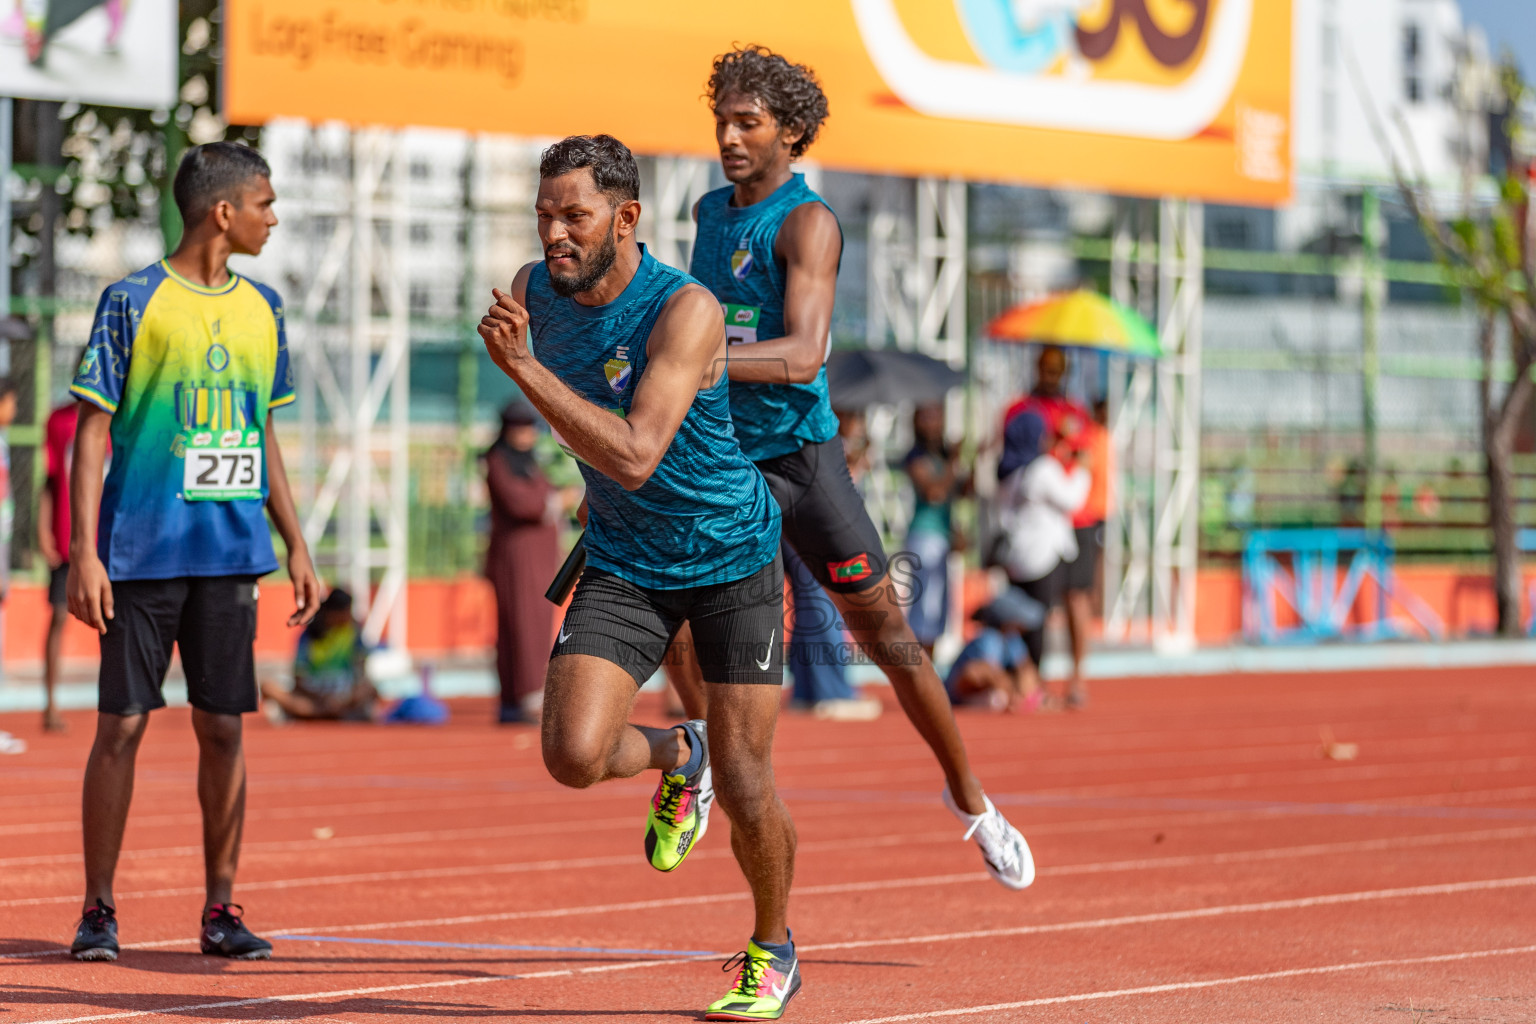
point(733, 257)
point(705, 516)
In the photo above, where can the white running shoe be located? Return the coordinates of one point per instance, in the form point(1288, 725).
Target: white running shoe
point(1002, 846)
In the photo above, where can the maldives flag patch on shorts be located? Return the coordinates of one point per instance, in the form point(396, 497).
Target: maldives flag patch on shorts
point(856, 568)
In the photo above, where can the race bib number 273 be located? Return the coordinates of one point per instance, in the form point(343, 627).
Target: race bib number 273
point(223, 466)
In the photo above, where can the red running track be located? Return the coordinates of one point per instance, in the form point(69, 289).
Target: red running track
point(1200, 861)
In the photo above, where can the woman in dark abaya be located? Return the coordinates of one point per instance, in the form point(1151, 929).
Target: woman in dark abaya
point(520, 560)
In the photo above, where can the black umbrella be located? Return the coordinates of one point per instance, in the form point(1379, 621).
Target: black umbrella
point(860, 377)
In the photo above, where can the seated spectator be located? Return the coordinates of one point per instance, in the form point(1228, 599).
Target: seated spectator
point(994, 669)
point(329, 681)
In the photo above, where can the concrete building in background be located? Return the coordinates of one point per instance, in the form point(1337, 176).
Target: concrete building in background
point(1416, 61)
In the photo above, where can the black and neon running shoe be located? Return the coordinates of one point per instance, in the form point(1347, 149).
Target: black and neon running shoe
point(764, 986)
point(96, 936)
point(679, 814)
point(225, 934)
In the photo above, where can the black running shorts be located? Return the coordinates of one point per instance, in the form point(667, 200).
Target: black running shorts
point(1082, 569)
point(211, 619)
point(824, 517)
point(737, 626)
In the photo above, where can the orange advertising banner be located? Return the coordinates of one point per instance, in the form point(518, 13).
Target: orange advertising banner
point(1135, 97)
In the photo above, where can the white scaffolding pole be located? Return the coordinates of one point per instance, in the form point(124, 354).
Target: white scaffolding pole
point(940, 264)
point(1176, 538)
point(890, 314)
point(1128, 532)
point(917, 259)
point(917, 248)
point(1152, 538)
point(354, 392)
point(668, 195)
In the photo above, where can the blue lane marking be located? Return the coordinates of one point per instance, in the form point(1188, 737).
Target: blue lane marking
point(515, 949)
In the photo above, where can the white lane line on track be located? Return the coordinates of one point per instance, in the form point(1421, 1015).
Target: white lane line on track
point(603, 908)
point(1194, 913)
point(1281, 777)
point(249, 850)
point(1197, 913)
point(252, 851)
point(1283, 774)
point(1186, 986)
point(344, 993)
point(1283, 852)
point(619, 860)
point(641, 964)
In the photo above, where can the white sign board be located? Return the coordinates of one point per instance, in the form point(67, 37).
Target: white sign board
point(120, 53)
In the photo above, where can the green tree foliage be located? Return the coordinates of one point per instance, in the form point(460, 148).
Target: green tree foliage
point(115, 165)
point(1490, 251)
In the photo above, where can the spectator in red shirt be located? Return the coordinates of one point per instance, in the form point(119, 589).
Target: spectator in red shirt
point(53, 542)
point(1063, 417)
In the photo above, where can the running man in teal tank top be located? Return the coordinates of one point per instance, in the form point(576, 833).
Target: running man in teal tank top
point(626, 359)
point(769, 248)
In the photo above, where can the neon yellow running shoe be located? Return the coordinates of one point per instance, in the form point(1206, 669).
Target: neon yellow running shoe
point(679, 814)
point(764, 986)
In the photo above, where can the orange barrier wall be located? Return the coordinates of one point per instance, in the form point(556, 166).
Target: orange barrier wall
point(457, 617)
point(445, 617)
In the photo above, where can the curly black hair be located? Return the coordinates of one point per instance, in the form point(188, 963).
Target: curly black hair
point(613, 167)
point(789, 91)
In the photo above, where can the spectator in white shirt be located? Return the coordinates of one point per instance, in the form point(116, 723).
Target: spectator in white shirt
point(1037, 499)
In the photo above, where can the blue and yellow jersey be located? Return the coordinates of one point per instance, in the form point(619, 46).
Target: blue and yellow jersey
point(185, 368)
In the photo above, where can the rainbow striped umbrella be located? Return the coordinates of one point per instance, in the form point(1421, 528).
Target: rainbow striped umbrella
point(1082, 319)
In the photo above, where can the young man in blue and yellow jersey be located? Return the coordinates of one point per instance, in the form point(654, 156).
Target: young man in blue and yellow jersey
point(185, 363)
point(625, 357)
point(769, 247)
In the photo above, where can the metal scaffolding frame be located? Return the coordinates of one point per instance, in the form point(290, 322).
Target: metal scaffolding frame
point(917, 260)
point(1152, 537)
point(1176, 534)
point(917, 253)
point(354, 383)
point(668, 195)
point(1129, 393)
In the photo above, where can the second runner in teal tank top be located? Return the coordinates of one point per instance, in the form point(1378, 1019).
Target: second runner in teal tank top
point(733, 257)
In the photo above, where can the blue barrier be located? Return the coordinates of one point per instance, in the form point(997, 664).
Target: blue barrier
point(1301, 569)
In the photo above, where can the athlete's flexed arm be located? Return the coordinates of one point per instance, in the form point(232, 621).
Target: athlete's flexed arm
point(683, 354)
point(810, 243)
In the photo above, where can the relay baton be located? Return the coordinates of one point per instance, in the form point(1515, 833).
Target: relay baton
point(570, 571)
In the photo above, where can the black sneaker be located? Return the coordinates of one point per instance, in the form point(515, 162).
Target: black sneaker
point(224, 934)
point(96, 938)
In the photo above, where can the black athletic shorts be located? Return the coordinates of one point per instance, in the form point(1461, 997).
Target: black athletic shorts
point(58, 586)
point(1082, 570)
point(824, 517)
point(737, 626)
point(211, 619)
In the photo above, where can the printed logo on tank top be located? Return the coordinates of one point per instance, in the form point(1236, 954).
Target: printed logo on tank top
point(618, 370)
point(741, 260)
